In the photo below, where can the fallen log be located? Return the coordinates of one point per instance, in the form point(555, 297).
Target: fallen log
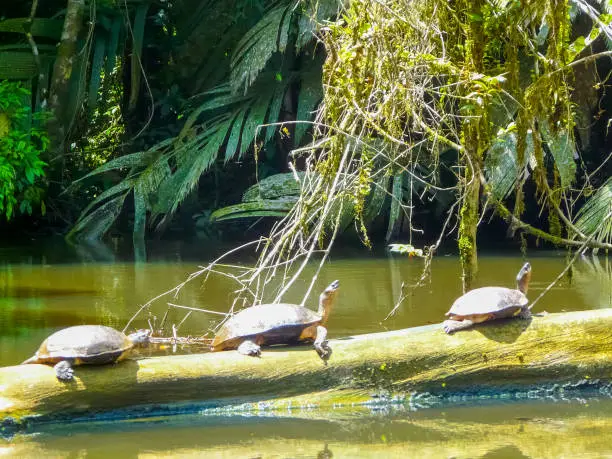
point(556, 348)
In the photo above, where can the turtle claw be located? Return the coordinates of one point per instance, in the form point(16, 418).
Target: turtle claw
point(451, 326)
point(321, 345)
point(64, 371)
point(249, 348)
point(323, 350)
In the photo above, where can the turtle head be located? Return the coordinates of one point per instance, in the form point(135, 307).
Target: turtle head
point(327, 299)
point(523, 278)
point(140, 337)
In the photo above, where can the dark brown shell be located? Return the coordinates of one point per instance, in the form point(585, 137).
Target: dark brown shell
point(281, 321)
point(90, 342)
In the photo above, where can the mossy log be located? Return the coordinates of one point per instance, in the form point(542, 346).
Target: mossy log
point(514, 353)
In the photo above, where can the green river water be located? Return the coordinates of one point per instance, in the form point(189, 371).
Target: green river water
point(47, 288)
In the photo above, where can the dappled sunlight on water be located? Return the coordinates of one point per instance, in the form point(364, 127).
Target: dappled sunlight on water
point(537, 430)
point(38, 299)
point(40, 295)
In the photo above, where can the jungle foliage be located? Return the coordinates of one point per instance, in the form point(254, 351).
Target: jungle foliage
point(249, 77)
point(491, 81)
point(22, 142)
point(452, 109)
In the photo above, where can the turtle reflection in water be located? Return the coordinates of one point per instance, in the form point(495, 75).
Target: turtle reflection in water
point(85, 345)
point(489, 303)
point(278, 323)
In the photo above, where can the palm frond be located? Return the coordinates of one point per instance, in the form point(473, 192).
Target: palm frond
point(593, 218)
point(376, 199)
point(501, 164)
point(140, 158)
point(563, 150)
point(274, 187)
point(396, 204)
point(97, 62)
point(273, 196)
point(314, 12)
point(93, 225)
point(113, 47)
point(276, 103)
point(255, 117)
point(259, 208)
point(140, 211)
point(221, 98)
point(121, 187)
point(259, 44)
point(137, 43)
point(193, 159)
point(311, 92)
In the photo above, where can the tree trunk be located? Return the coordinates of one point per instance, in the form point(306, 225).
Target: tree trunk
point(60, 81)
point(468, 226)
point(502, 356)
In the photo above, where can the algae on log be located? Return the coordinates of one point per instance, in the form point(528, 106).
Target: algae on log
point(507, 354)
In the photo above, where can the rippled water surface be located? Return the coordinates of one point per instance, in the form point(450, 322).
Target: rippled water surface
point(45, 289)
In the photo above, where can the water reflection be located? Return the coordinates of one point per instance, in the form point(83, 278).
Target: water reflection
point(536, 430)
point(39, 298)
point(44, 291)
point(593, 279)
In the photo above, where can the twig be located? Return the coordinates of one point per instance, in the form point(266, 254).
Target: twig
point(569, 265)
point(184, 319)
point(180, 340)
point(177, 288)
point(426, 272)
point(197, 309)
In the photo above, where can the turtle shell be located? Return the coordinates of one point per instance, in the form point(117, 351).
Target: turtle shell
point(92, 344)
point(489, 300)
point(271, 323)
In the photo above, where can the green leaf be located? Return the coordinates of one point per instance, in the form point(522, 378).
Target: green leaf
point(396, 203)
point(96, 70)
point(312, 14)
point(140, 158)
point(121, 187)
point(274, 187)
point(563, 150)
point(259, 208)
point(137, 43)
point(501, 165)
point(140, 211)
point(113, 45)
point(94, 225)
point(273, 113)
point(258, 45)
point(221, 98)
point(311, 92)
point(593, 217)
point(236, 130)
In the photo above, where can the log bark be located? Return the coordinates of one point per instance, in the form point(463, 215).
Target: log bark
point(500, 356)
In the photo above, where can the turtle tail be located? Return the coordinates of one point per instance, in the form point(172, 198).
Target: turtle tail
point(33, 359)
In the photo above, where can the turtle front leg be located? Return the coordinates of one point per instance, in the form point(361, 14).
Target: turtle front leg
point(524, 314)
point(64, 371)
point(320, 343)
point(248, 347)
point(451, 326)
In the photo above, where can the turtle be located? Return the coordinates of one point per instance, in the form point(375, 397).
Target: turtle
point(277, 323)
point(488, 303)
point(85, 345)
